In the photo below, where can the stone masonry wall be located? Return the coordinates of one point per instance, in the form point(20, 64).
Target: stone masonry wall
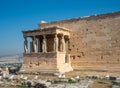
point(40, 62)
point(94, 41)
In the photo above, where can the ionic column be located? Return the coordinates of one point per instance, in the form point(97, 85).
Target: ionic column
point(44, 44)
point(55, 43)
point(34, 44)
point(25, 45)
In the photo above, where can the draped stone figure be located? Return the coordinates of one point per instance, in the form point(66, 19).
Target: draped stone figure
point(44, 44)
point(25, 46)
point(62, 45)
point(56, 43)
point(34, 44)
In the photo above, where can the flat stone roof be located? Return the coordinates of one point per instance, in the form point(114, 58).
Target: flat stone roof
point(102, 16)
point(45, 29)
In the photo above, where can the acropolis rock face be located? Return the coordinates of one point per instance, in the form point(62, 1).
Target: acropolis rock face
point(87, 43)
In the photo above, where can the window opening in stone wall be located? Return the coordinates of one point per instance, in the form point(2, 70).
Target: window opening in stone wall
point(82, 53)
point(79, 57)
point(69, 49)
point(37, 64)
point(30, 62)
point(72, 45)
point(73, 57)
point(30, 66)
point(101, 57)
point(118, 60)
point(87, 29)
point(77, 50)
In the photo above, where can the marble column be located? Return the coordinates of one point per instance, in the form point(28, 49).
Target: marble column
point(55, 43)
point(34, 44)
point(25, 45)
point(44, 44)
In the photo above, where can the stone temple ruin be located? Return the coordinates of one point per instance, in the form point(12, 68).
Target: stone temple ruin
point(86, 43)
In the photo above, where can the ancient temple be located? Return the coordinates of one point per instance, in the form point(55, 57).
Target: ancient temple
point(48, 50)
point(84, 43)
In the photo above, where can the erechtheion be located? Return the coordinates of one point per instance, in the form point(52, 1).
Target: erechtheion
point(85, 43)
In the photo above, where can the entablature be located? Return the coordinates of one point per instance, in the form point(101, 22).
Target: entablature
point(46, 31)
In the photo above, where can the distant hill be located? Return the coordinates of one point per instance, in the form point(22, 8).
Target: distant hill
point(11, 58)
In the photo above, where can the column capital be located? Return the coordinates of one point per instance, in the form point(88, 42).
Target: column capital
point(56, 35)
point(62, 36)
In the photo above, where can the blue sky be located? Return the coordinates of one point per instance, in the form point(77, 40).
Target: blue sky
point(18, 15)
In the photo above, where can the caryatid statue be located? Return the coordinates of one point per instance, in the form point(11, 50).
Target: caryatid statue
point(62, 46)
point(44, 44)
point(34, 44)
point(56, 43)
point(25, 45)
